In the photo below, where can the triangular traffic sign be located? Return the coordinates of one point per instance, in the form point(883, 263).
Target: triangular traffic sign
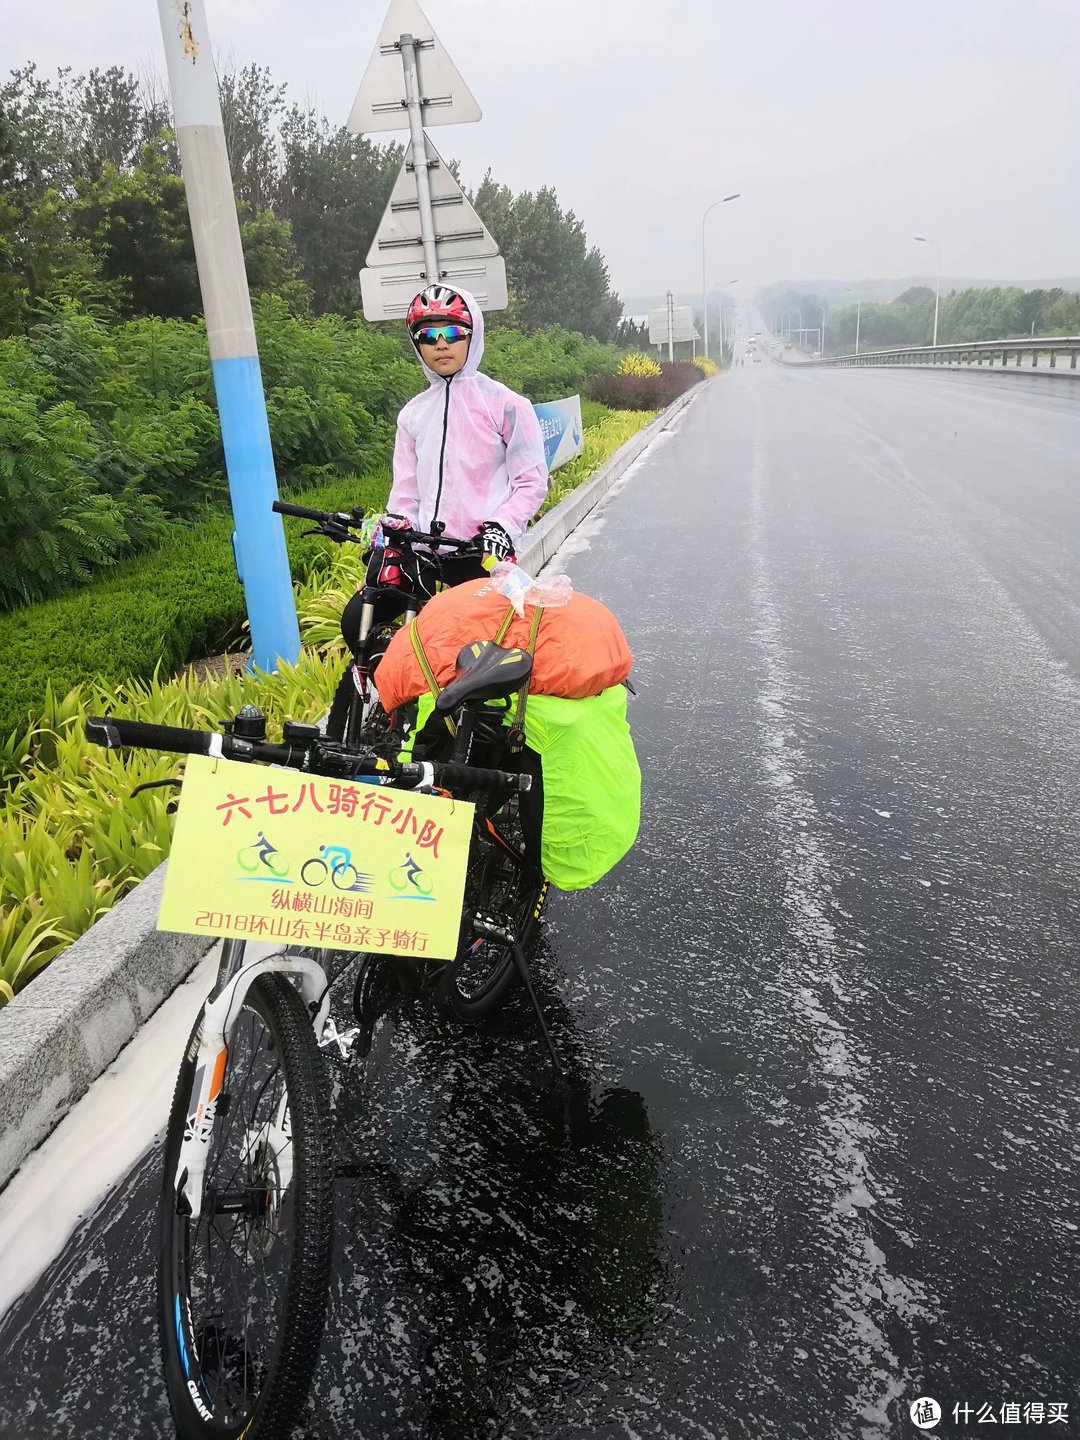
point(459, 231)
point(380, 101)
point(387, 292)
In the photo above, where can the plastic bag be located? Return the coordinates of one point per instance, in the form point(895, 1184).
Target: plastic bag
point(519, 587)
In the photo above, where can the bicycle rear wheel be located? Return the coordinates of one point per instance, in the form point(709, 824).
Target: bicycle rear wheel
point(242, 1290)
point(503, 888)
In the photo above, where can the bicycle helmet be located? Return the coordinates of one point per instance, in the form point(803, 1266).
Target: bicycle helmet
point(438, 305)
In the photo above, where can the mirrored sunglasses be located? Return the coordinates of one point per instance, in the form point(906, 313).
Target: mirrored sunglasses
point(430, 334)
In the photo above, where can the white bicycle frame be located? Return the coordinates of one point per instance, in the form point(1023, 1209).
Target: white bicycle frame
point(219, 1018)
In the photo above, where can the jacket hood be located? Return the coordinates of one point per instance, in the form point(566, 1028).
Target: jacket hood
point(476, 344)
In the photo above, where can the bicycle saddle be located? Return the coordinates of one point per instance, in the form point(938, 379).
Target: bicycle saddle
point(486, 671)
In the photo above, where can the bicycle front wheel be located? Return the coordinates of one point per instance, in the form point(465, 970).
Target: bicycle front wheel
point(243, 1289)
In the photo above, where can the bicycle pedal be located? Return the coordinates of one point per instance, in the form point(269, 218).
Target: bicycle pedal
point(343, 1039)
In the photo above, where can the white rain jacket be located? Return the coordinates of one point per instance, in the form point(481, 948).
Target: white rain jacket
point(468, 450)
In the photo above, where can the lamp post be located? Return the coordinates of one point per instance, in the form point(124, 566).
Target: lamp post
point(821, 347)
point(704, 289)
point(858, 315)
point(925, 240)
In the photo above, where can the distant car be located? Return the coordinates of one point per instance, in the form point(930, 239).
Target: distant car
point(757, 358)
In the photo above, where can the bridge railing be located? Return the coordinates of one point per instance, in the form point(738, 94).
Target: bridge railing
point(1037, 352)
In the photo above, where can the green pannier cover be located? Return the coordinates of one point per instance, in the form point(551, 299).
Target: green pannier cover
point(592, 782)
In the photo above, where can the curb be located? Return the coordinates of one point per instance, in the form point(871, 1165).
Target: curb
point(61, 1032)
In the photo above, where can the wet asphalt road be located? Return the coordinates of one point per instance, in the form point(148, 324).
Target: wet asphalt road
point(821, 1153)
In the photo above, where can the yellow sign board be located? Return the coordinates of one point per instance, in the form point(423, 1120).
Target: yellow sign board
point(262, 853)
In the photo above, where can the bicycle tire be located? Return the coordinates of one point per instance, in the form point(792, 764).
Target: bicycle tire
point(336, 870)
point(250, 1377)
point(477, 982)
point(314, 860)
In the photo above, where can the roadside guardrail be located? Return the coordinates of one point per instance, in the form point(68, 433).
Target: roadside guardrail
point(1056, 354)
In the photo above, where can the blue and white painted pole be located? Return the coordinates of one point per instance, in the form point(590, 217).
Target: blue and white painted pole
point(262, 560)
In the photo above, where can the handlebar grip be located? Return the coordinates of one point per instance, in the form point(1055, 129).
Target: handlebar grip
point(472, 777)
point(114, 734)
point(301, 512)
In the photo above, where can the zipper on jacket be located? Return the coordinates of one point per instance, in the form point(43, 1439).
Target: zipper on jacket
point(442, 448)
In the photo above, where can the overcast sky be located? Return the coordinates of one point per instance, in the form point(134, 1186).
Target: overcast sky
point(848, 125)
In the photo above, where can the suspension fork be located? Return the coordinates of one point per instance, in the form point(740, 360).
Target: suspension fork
point(210, 1051)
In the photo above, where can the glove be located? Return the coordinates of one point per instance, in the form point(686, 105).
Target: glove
point(494, 541)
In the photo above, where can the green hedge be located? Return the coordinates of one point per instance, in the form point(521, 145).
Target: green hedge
point(181, 601)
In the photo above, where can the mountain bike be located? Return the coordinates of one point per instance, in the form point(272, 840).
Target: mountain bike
point(402, 574)
point(245, 1214)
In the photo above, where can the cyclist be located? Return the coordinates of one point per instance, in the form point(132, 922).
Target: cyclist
point(469, 451)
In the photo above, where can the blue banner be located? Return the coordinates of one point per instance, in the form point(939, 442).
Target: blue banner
point(560, 425)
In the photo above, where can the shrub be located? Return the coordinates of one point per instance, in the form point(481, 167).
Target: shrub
point(179, 602)
point(707, 367)
point(547, 365)
point(638, 364)
point(73, 841)
point(645, 392)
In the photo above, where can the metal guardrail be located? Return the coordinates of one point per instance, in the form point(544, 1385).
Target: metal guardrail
point(1027, 354)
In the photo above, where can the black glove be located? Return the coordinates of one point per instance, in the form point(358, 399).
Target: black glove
point(494, 541)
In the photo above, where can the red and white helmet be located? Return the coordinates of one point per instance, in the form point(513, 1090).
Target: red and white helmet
point(438, 305)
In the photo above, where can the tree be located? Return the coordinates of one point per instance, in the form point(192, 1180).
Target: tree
point(914, 294)
point(252, 108)
point(332, 191)
point(555, 278)
point(137, 222)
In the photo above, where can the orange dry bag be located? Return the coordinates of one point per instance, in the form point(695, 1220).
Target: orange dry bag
point(580, 649)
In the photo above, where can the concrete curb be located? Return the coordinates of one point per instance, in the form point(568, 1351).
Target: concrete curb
point(60, 1033)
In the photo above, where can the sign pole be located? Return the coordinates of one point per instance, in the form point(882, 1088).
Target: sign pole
point(670, 326)
point(407, 45)
point(262, 561)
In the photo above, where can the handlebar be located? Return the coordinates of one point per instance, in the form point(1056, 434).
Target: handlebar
point(320, 517)
point(333, 524)
point(312, 753)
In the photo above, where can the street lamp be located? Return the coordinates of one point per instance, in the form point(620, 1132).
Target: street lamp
point(704, 290)
point(858, 315)
point(924, 240)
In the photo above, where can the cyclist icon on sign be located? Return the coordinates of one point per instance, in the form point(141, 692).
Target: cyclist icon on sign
point(262, 852)
point(335, 861)
point(410, 873)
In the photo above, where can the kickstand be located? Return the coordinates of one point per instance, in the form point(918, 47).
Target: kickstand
point(523, 971)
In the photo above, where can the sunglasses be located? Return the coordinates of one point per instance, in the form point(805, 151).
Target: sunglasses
point(431, 334)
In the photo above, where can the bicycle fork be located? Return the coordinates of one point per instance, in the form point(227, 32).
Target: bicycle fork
point(210, 1052)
